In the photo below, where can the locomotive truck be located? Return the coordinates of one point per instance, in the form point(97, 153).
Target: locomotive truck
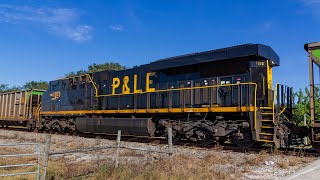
point(218, 95)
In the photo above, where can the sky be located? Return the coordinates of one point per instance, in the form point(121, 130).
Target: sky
point(43, 40)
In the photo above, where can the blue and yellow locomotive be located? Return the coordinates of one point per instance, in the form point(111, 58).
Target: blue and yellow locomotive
point(223, 94)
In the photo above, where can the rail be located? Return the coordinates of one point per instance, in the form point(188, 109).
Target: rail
point(8, 166)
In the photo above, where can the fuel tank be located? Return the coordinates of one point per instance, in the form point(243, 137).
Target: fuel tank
point(128, 126)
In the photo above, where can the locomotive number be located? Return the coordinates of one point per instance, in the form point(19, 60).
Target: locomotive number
point(125, 84)
point(259, 63)
point(55, 95)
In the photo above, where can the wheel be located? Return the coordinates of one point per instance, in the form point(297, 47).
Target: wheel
point(243, 139)
point(204, 136)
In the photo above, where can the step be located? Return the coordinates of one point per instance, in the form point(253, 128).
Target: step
point(265, 140)
point(266, 134)
point(266, 113)
point(267, 127)
point(266, 120)
point(266, 108)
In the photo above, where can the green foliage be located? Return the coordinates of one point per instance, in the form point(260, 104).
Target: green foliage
point(4, 87)
point(303, 105)
point(7, 88)
point(28, 85)
point(106, 66)
point(36, 85)
point(110, 66)
point(76, 73)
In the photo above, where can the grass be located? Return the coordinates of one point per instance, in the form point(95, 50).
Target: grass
point(128, 153)
point(218, 165)
point(176, 167)
point(214, 166)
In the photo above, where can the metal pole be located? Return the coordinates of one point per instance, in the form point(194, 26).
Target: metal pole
point(118, 148)
point(46, 156)
point(311, 74)
point(170, 140)
point(305, 140)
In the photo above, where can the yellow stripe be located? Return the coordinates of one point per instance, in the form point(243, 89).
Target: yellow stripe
point(13, 119)
point(162, 110)
point(166, 90)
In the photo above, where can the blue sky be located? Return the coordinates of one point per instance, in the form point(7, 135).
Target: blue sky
point(43, 40)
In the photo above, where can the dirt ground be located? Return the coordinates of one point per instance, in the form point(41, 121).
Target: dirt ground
point(185, 163)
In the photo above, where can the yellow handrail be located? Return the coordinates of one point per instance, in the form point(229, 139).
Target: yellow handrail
point(179, 89)
point(38, 110)
point(273, 103)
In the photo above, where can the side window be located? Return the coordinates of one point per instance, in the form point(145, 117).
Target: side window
point(72, 84)
point(82, 83)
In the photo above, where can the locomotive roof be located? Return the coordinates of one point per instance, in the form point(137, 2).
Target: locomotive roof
point(258, 51)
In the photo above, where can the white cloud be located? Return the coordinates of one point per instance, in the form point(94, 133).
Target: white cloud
point(311, 7)
point(116, 27)
point(61, 21)
point(310, 2)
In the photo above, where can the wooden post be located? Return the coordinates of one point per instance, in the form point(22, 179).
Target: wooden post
point(170, 140)
point(46, 156)
point(118, 148)
point(305, 139)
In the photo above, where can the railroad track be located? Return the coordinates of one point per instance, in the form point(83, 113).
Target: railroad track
point(298, 151)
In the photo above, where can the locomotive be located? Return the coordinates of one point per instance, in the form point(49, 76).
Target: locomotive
point(218, 95)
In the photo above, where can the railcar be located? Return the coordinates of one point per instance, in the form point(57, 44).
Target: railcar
point(20, 108)
point(211, 96)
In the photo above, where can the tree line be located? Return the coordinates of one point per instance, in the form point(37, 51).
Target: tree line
point(44, 85)
point(302, 106)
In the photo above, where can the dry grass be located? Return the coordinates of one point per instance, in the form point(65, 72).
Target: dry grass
point(284, 164)
point(128, 152)
point(215, 166)
point(177, 167)
point(17, 160)
point(286, 161)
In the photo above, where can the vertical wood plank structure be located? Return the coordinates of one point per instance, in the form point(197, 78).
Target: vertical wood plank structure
point(313, 50)
point(118, 148)
point(46, 156)
point(170, 140)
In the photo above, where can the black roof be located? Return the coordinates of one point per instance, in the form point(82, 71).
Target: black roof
point(259, 51)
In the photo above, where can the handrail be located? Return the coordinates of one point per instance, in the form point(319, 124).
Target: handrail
point(167, 90)
point(38, 110)
point(179, 89)
point(273, 103)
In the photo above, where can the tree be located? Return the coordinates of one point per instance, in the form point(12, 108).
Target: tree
point(303, 105)
point(36, 85)
point(109, 66)
point(28, 85)
point(77, 73)
point(106, 66)
point(4, 87)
